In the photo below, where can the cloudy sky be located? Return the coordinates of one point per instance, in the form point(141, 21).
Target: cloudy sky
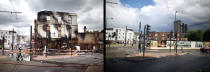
point(89, 12)
point(158, 13)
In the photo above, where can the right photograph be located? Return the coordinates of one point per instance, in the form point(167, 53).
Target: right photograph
point(157, 36)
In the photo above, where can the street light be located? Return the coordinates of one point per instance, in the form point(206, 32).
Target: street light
point(139, 46)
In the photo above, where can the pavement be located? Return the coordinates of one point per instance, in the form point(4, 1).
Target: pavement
point(129, 59)
point(54, 63)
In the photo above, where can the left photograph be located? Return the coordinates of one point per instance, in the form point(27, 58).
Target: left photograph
point(51, 36)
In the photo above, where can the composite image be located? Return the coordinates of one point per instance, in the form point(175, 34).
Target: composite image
point(105, 36)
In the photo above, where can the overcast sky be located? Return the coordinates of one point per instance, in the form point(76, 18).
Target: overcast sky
point(159, 13)
point(89, 12)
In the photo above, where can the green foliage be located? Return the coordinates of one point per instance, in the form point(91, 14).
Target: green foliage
point(206, 35)
point(195, 35)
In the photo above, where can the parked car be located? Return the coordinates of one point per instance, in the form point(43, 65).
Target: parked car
point(205, 49)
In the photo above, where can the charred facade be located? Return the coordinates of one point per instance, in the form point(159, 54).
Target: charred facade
point(55, 28)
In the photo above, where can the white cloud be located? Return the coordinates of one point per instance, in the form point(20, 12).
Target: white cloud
point(122, 15)
point(161, 15)
point(89, 12)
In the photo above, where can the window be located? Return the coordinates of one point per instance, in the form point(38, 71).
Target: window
point(67, 18)
point(42, 18)
point(59, 19)
point(162, 38)
point(155, 34)
point(48, 17)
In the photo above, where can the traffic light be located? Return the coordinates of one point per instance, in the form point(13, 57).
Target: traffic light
point(148, 28)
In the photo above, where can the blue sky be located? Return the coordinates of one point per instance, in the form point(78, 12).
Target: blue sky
point(137, 3)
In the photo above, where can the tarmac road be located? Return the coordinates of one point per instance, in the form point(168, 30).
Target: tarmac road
point(191, 61)
point(62, 63)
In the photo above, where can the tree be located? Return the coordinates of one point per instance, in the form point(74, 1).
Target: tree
point(206, 35)
point(195, 35)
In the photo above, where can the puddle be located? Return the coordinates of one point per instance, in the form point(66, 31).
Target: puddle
point(19, 56)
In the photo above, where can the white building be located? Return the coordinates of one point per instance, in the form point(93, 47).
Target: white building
point(7, 34)
point(23, 41)
point(118, 35)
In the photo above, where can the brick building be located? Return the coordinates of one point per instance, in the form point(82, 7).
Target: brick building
point(162, 37)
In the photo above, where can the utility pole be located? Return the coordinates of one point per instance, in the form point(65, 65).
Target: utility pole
point(30, 43)
point(144, 41)
point(30, 38)
point(175, 32)
point(125, 35)
point(139, 46)
point(176, 42)
point(175, 16)
point(12, 38)
point(170, 36)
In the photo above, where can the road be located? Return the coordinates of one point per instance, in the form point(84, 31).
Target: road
point(188, 61)
point(53, 63)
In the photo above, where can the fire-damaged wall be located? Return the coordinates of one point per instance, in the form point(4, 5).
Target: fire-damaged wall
point(56, 25)
point(89, 39)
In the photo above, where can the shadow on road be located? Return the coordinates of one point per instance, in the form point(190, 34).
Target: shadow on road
point(177, 63)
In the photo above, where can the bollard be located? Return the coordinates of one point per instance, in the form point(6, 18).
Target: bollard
point(70, 51)
point(182, 50)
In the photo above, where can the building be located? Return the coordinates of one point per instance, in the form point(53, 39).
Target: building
point(91, 39)
point(57, 24)
point(120, 34)
point(23, 41)
point(180, 27)
point(7, 35)
point(163, 37)
point(55, 29)
point(177, 26)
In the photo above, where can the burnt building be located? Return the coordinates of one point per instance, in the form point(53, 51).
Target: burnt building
point(89, 40)
point(58, 28)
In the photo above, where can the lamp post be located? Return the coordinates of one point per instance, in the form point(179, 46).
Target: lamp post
point(125, 35)
point(139, 46)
